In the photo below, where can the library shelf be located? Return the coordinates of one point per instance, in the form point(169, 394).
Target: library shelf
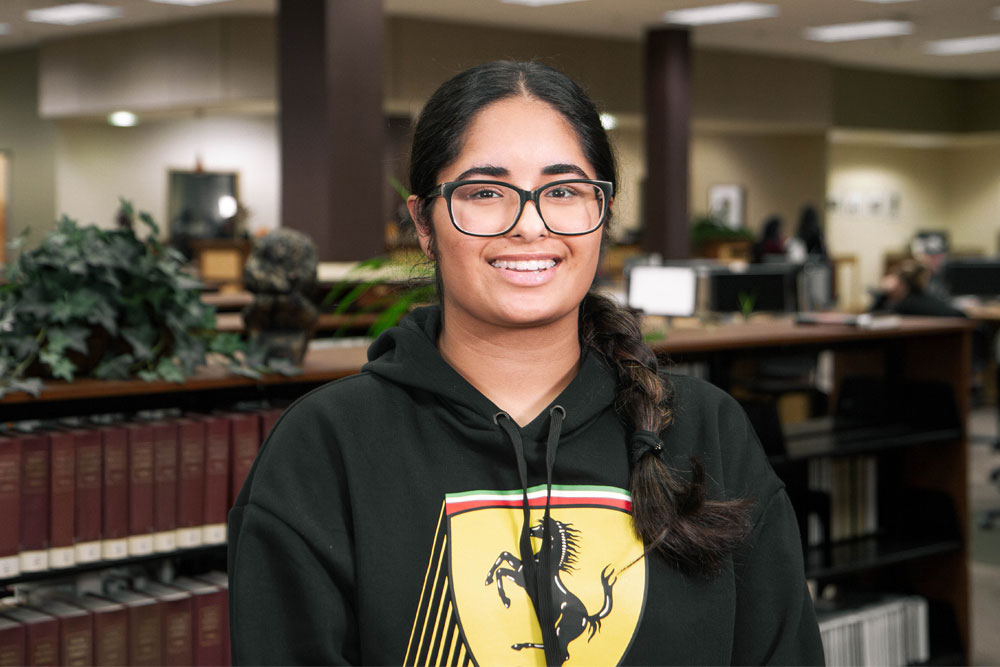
point(872, 552)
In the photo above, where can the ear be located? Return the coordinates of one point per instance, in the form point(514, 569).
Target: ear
point(422, 225)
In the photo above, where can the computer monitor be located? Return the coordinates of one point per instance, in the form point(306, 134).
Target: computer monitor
point(663, 290)
point(972, 277)
point(760, 287)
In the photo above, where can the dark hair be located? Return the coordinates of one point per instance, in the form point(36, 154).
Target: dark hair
point(811, 231)
point(671, 515)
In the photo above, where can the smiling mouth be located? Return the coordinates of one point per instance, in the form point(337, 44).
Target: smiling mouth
point(526, 265)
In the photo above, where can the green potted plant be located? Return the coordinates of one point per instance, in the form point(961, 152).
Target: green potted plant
point(708, 230)
point(106, 304)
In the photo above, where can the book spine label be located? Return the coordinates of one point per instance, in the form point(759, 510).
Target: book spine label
point(114, 493)
point(89, 458)
point(63, 494)
point(165, 485)
point(245, 443)
point(10, 506)
point(216, 492)
point(35, 501)
point(140, 489)
point(191, 483)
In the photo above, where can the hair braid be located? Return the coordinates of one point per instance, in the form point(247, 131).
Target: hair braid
point(670, 514)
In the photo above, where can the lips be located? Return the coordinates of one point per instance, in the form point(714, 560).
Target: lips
point(524, 265)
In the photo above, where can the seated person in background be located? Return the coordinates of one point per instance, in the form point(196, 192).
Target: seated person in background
point(771, 242)
point(809, 243)
point(904, 291)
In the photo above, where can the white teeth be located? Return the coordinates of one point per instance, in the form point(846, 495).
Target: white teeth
point(527, 265)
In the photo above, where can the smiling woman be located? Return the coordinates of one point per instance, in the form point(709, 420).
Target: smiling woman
point(511, 471)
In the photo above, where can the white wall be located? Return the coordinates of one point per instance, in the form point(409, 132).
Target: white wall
point(96, 163)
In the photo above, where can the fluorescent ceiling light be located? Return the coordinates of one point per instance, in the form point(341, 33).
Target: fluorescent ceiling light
point(537, 3)
point(73, 14)
point(963, 45)
point(845, 32)
point(885, 2)
point(123, 119)
point(728, 13)
point(188, 3)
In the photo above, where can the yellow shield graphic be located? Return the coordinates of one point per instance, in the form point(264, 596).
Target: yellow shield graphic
point(598, 578)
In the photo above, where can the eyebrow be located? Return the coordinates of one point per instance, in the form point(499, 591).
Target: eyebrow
point(493, 171)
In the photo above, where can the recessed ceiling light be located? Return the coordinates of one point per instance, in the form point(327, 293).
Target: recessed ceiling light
point(728, 13)
point(123, 119)
point(188, 3)
point(963, 45)
point(845, 32)
point(73, 14)
point(537, 3)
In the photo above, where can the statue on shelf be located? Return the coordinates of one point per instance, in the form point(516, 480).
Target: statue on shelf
point(281, 275)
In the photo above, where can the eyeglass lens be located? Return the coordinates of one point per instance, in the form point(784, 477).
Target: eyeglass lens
point(569, 208)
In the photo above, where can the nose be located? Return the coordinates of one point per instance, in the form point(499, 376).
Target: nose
point(529, 226)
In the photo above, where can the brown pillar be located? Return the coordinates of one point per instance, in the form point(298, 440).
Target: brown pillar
point(668, 125)
point(332, 124)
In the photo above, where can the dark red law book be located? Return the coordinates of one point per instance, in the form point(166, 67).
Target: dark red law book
point(144, 636)
point(140, 488)
point(35, 501)
point(190, 482)
point(76, 632)
point(41, 635)
point(114, 492)
point(268, 418)
point(12, 640)
point(245, 443)
point(216, 492)
point(110, 637)
point(62, 490)
point(221, 579)
point(87, 512)
point(165, 485)
point(10, 506)
point(209, 603)
point(177, 623)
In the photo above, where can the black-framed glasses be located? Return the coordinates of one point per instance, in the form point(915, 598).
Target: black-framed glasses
point(569, 207)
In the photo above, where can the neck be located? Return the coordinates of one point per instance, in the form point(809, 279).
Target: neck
point(521, 370)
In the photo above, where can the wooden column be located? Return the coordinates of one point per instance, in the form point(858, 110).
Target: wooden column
point(668, 125)
point(332, 124)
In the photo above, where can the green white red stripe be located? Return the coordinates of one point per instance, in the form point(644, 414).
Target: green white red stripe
point(562, 495)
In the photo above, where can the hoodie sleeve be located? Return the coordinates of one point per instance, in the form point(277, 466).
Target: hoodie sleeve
point(291, 554)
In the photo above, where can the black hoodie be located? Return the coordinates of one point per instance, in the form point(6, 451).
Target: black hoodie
point(383, 523)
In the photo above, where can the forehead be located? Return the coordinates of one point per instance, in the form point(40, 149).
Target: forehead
point(520, 133)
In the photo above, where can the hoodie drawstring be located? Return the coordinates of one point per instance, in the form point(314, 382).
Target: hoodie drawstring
point(537, 578)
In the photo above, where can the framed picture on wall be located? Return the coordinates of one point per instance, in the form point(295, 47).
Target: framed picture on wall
point(728, 203)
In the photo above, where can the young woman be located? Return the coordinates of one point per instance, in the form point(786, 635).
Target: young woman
point(509, 480)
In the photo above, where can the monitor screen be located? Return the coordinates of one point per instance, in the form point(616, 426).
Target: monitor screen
point(757, 288)
point(663, 290)
point(972, 277)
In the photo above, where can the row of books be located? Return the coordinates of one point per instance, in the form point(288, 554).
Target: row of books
point(849, 487)
point(887, 632)
point(84, 492)
point(184, 622)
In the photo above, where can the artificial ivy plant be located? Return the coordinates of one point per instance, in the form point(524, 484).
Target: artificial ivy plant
point(107, 304)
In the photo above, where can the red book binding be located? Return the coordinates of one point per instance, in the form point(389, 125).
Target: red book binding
point(12, 640)
point(110, 636)
point(114, 493)
point(245, 443)
point(191, 482)
point(144, 635)
point(62, 489)
point(165, 485)
point(177, 623)
point(221, 579)
point(76, 632)
point(10, 506)
point(216, 494)
point(35, 502)
point(87, 522)
point(210, 619)
point(41, 635)
point(140, 489)
point(268, 418)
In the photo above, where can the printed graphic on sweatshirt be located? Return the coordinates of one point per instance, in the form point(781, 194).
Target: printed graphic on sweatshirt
point(474, 608)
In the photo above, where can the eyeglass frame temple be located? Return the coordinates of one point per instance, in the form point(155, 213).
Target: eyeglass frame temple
point(607, 189)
